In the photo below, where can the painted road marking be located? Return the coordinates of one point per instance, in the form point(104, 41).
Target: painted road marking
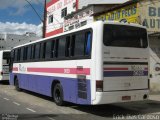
point(5, 98)
point(30, 110)
point(16, 103)
point(50, 118)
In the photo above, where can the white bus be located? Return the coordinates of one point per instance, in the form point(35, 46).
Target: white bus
point(99, 63)
point(154, 72)
point(4, 64)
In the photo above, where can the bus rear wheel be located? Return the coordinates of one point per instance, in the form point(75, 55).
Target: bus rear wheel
point(17, 84)
point(58, 94)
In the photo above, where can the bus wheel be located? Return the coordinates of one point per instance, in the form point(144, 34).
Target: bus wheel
point(17, 84)
point(58, 94)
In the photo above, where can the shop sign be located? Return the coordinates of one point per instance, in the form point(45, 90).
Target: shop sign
point(126, 14)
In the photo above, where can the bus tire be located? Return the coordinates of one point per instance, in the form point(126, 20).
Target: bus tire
point(17, 84)
point(58, 94)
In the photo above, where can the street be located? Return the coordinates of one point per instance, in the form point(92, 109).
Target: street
point(28, 105)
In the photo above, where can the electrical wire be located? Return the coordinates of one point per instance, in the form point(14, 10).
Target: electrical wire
point(34, 10)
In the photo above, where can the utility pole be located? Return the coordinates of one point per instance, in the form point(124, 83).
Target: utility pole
point(44, 20)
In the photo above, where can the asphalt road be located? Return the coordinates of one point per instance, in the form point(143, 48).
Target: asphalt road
point(26, 105)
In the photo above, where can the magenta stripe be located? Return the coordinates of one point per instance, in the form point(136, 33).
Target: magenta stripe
point(85, 71)
point(15, 69)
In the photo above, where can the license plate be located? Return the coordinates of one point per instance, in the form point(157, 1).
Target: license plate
point(126, 97)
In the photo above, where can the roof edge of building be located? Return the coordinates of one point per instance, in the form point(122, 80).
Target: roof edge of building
point(117, 7)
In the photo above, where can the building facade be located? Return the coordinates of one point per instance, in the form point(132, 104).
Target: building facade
point(83, 16)
point(57, 10)
point(8, 41)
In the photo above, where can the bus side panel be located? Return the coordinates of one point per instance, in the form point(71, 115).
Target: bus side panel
point(82, 99)
point(42, 84)
point(70, 90)
point(22, 81)
point(11, 78)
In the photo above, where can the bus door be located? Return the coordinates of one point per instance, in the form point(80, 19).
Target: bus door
point(5, 65)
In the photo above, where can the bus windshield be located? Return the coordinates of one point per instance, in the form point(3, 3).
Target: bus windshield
point(6, 57)
point(124, 36)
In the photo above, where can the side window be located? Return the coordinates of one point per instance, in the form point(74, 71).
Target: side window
point(33, 51)
point(88, 43)
point(63, 12)
point(37, 51)
point(29, 53)
point(56, 48)
point(25, 53)
point(53, 52)
point(67, 48)
point(79, 44)
point(19, 54)
point(61, 47)
point(48, 49)
point(50, 19)
point(12, 55)
point(43, 50)
point(22, 53)
point(72, 47)
point(15, 54)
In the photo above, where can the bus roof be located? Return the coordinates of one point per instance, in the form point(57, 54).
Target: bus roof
point(81, 28)
point(5, 50)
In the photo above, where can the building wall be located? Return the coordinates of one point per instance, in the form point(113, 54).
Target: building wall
point(150, 17)
point(129, 13)
point(150, 14)
point(145, 12)
point(155, 44)
point(79, 19)
point(154, 72)
point(2, 41)
point(83, 3)
point(11, 40)
point(55, 7)
point(83, 16)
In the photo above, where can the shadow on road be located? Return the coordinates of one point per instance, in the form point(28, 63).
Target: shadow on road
point(132, 108)
point(38, 95)
point(4, 82)
point(109, 110)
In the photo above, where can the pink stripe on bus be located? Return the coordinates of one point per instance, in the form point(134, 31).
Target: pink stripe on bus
point(85, 71)
point(15, 69)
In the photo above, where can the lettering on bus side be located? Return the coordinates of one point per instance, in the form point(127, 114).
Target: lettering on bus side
point(22, 68)
point(66, 71)
point(138, 73)
point(137, 70)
